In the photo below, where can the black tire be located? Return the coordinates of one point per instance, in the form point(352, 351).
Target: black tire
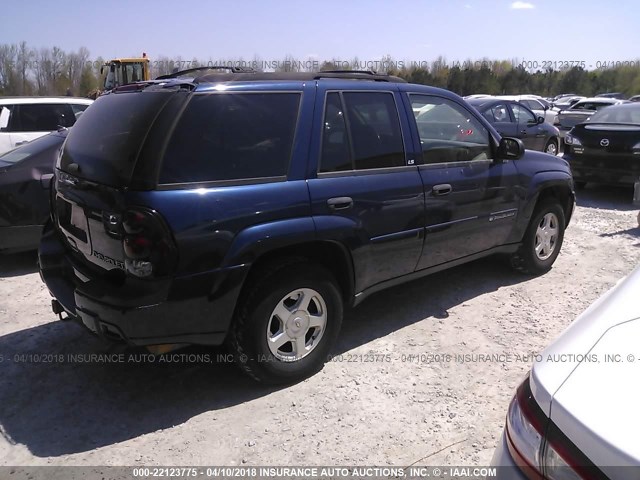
point(526, 260)
point(248, 333)
point(579, 184)
point(552, 142)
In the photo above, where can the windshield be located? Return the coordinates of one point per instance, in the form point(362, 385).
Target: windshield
point(34, 147)
point(617, 115)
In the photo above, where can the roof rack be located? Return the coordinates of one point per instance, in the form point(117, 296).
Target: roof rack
point(234, 74)
point(358, 75)
point(364, 72)
point(181, 73)
point(139, 86)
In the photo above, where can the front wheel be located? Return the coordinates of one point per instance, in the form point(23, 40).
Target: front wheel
point(286, 326)
point(542, 240)
point(551, 147)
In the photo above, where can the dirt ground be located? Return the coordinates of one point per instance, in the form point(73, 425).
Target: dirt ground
point(415, 404)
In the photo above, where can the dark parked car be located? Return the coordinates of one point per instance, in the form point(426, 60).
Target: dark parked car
point(512, 119)
point(25, 175)
point(606, 148)
point(250, 208)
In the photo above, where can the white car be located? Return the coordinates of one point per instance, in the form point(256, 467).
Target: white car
point(537, 105)
point(576, 414)
point(23, 119)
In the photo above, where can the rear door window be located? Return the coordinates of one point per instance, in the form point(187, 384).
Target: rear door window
point(232, 136)
point(499, 113)
point(361, 132)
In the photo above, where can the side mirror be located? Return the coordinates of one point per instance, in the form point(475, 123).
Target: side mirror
point(540, 120)
point(510, 149)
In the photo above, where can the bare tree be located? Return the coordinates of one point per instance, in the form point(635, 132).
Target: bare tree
point(8, 72)
point(25, 57)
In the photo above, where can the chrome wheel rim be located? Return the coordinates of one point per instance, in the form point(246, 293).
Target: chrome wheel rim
point(547, 236)
point(552, 149)
point(297, 325)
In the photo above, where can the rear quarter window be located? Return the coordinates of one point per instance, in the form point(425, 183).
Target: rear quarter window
point(107, 138)
point(232, 136)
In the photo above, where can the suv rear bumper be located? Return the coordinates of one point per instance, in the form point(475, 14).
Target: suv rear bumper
point(189, 310)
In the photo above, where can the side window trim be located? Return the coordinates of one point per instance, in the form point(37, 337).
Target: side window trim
point(347, 126)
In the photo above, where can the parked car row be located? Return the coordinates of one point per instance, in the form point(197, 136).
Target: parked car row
point(598, 136)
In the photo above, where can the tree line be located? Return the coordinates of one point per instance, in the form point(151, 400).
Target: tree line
point(53, 71)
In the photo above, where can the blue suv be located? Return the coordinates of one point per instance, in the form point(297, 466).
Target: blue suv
point(250, 208)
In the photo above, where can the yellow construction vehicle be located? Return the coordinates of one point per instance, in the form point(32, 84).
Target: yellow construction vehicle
point(121, 71)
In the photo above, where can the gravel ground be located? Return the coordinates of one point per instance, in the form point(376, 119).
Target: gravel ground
point(391, 396)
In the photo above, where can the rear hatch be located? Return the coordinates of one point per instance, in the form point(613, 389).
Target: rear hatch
point(608, 146)
point(112, 149)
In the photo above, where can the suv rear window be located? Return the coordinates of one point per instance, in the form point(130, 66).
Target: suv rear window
point(107, 138)
point(232, 136)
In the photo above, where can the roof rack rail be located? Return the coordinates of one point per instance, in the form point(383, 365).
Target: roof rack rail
point(358, 75)
point(143, 85)
point(364, 72)
point(200, 69)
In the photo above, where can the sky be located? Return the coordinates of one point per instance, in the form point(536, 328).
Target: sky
point(413, 31)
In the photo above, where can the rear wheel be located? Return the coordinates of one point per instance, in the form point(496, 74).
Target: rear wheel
point(542, 240)
point(288, 323)
point(551, 147)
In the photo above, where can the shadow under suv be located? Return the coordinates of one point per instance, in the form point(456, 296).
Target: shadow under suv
point(251, 208)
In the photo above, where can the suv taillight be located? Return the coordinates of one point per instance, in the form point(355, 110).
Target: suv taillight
point(147, 243)
point(538, 447)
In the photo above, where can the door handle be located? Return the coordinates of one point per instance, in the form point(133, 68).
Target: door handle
point(340, 203)
point(22, 143)
point(439, 190)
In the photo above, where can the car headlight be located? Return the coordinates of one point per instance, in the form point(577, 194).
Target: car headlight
point(538, 447)
point(571, 140)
